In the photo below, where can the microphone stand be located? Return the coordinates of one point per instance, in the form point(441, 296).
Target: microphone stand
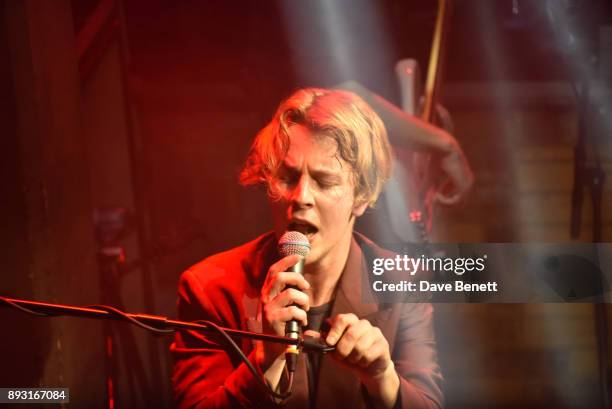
point(158, 322)
point(163, 325)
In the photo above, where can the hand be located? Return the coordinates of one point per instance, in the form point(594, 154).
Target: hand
point(458, 176)
point(282, 304)
point(363, 348)
point(359, 345)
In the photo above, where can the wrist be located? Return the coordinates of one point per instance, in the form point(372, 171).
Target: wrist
point(266, 357)
point(383, 387)
point(448, 144)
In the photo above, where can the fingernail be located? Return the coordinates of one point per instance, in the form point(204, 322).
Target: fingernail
point(330, 339)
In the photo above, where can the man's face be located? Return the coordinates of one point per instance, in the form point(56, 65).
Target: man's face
point(315, 193)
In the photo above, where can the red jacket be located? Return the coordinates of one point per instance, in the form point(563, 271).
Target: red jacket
point(225, 289)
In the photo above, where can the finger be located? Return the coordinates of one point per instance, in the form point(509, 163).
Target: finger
point(288, 278)
point(294, 313)
point(362, 348)
point(277, 281)
point(285, 314)
point(449, 192)
point(271, 286)
point(284, 263)
point(352, 335)
point(378, 351)
point(447, 199)
point(282, 280)
point(312, 334)
point(292, 296)
point(455, 167)
point(372, 348)
point(339, 324)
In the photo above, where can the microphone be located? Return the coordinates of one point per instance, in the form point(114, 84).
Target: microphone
point(293, 242)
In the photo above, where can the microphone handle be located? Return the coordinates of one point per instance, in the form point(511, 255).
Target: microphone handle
point(292, 328)
point(298, 268)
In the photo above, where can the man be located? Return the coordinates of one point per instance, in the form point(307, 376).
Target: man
point(324, 158)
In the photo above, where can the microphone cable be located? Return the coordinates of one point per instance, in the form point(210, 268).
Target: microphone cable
point(116, 313)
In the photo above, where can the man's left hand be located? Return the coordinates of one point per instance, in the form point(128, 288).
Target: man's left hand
point(363, 349)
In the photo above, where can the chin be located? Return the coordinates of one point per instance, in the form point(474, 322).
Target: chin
point(313, 256)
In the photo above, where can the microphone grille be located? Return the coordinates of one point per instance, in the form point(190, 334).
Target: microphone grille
point(293, 242)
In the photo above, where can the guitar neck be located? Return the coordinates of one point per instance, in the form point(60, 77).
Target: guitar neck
point(436, 60)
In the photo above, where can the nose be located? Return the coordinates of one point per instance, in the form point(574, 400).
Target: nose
point(302, 195)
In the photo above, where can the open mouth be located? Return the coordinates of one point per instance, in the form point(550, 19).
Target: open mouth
point(305, 228)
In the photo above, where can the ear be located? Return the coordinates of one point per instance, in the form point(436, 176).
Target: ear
point(359, 209)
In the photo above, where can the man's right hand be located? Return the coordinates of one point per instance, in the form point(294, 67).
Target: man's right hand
point(283, 298)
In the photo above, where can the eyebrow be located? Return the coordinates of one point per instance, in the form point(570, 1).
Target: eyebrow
point(318, 173)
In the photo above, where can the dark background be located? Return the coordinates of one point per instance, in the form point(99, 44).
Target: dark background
point(151, 106)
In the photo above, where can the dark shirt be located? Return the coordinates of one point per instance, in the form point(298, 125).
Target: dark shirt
point(317, 317)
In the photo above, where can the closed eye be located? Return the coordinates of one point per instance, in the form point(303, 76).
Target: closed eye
point(327, 183)
point(287, 176)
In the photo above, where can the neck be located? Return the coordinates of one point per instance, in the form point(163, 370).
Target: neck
point(324, 275)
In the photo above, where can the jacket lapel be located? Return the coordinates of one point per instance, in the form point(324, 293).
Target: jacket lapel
point(336, 383)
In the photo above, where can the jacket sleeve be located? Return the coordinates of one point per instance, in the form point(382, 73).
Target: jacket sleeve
point(204, 375)
point(415, 359)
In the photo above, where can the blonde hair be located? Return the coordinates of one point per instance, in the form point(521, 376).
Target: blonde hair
point(341, 115)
